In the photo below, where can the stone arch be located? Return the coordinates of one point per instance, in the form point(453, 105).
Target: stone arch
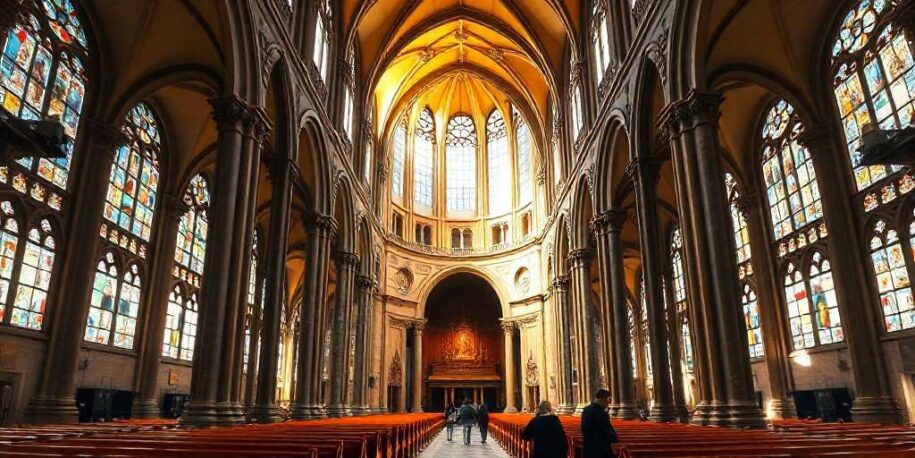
point(344, 214)
point(486, 276)
point(582, 212)
point(313, 161)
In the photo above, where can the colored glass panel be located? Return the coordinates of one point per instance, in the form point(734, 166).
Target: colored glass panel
point(461, 164)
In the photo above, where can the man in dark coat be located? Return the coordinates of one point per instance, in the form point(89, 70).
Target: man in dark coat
point(546, 431)
point(483, 421)
point(596, 430)
point(468, 416)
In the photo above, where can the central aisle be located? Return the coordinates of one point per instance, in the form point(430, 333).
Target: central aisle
point(441, 448)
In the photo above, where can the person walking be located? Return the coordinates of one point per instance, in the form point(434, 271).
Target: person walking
point(546, 431)
point(468, 416)
point(450, 420)
point(597, 432)
point(483, 421)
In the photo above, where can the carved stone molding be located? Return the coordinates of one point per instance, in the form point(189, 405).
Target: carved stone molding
point(320, 222)
point(395, 371)
point(532, 373)
point(580, 255)
point(347, 259)
point(817, 137)
point(561, 283)
point(104, 136)
point(507, 326)
point(364, 283)
point(229, 112)
point(644, 168)
point(696, 108)
point(609, 221)
point(174, 207)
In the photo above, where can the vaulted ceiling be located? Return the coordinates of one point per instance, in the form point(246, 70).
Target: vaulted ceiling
point(457, 53)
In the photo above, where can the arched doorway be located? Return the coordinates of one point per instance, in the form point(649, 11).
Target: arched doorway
point(463, 344)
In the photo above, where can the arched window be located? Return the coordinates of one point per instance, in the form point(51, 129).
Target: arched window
point(180, 326)
point(523, 139)
point(600, 39)
point(25, 270)
point(679, 284)
point(461, 164)
point(131, 199)
point(367, 162)
point(688, 360)
point(632, 356)
point(423, 146)
point(893, 283)
point(398, 144)
point(192, 233)
point(796, 214)
point(42, 75)
point(739, 225)
point(751, 321)
point(577, 110)
point(499, 166)
point(252, 309)
point(114, 304)
point(349, 88)
point(321, 52)
point(643, 330)
point(874, 81)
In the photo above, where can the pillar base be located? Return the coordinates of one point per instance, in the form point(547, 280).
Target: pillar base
point(265, 413)
point(232, 413)
point(565, 409)
point(737, 415)
point(780, 409)
point(416, 410)
point(145, 409)
point(361, 411)
point(663, 414)
point(882, 410)
point(200, 413)
point(682, 414)
point(305, 412)
point(510, 409)
point(579, 409)
point(50, 410)
point(627, 412)
point(701, 416)
point(338, 411)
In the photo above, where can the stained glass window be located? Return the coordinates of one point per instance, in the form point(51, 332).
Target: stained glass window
point(252, 299)
point(348, 89)
point(689, 361)
point(9, 244)
point(399, 145)
point(791, 182)
point(42, 76)
point(321, 52)
point(189, 328)
point(423, 146)
point(367, 163)
point(34, 278)
point(172, 339)
point(131, 198)
point(643, 327)
point(577, 114)
point(114, 305)
point(679, 280)
point(600, 38)
point(739, 225)
point(813, 312)
point(192, 232)
point(499, 167)
point(751, 321)
point(461, 164)
point(893, 283)
point(632, 355)
point(874, 80)
point(523, 138)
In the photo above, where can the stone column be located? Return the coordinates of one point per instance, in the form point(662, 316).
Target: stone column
point(561, 295)
point(378, 398)
point(346, 272)
point(146, 404)
point(363, 338)
point(306, 404)
point(54, 397)
point(673, 339)
point(874, 401)
point(697, 123)
point(600, 225)
point(265, 409)
point(418, 367)
point(587, 356)
point(644, 173)
point(508, 330)
point(773, 322)
point(203, 409)
point(627, 406)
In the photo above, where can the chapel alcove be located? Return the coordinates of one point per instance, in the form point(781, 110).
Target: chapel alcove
point(463, 344)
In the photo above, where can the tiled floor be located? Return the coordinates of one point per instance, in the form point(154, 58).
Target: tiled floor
point(441, 448)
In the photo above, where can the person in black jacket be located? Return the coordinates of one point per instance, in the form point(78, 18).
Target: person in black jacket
point(468, 416)
point(483, 421)
point(596, 430)
point(546, 431)
point(450, 420)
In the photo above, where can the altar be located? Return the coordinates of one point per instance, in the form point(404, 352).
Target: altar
point(463, 369)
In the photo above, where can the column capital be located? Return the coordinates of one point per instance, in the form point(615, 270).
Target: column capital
point(418, 326)
point(174, 207)
point(609, 221)
point(580, 255)
point(507, 326)
point(745, 203)
point(259, 123)
point(364, 283)
point(560, 283)
point(381, 172)
point(698, 107)
point(320, 222)
point(347, 259)
point(104, 136)
point(817, 137)
point(230, 112)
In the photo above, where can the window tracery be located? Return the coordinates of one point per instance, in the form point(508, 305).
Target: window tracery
point(399, 144)
point(499, 164)
point(892, 276)
point(321, 52)
point(26, 265)
point(600, 39)
point(423, 160)
point(190, 248)
point(523, 140)
point(461, 164)
point(42, 75)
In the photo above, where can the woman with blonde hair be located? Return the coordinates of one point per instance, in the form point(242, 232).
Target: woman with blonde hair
point(545, 430)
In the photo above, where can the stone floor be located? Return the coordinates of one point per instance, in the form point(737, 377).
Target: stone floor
point(441, 448)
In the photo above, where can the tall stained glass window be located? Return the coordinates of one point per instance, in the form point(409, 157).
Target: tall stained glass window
point(874, 80)
point(643, 330)
point(739, 225)
point(190, 248)
point(115, 304)
point(893, 282)
point(42, 75)
point(423, 160)
point(252, 309)
point(751, 321)
point(577, 111)
point(461, 164)
point(26, 265)
point(321, 52)
point(180, 325)
point(399, 145)
point(600, 39)
point(813, 313)
point(523, 139)
point(499, 166)
point(367, 162)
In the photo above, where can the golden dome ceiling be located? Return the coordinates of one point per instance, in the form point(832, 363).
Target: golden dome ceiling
point(460, 55)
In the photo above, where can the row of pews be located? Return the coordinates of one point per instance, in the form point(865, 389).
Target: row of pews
point(379, 436)
point(782, 439)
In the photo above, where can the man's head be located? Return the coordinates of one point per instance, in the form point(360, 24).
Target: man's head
point(466, 402)
point(602, 397)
